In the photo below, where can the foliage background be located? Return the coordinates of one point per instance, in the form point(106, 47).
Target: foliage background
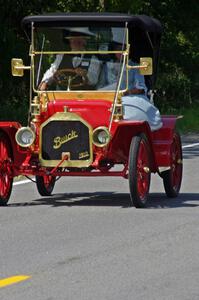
point(178, 80)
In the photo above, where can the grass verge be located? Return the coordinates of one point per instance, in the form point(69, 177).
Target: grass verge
point(190, 120)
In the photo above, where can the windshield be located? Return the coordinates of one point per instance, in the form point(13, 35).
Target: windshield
point(79, 58)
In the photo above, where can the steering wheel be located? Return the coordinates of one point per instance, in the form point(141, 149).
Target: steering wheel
point(66, 78)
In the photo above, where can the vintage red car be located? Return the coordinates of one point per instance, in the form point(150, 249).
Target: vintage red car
point(76, 124)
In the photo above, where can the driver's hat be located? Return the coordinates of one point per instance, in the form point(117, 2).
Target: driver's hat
point(72, 32)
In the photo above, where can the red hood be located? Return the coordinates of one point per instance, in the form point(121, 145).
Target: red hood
point(95, 112)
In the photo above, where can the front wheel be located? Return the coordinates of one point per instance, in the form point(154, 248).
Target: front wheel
point(6, 179)
point(172, 178)
point(139, 171)
point(45, 184)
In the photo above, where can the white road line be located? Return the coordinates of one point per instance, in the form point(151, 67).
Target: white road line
point(22, 182)
point(190, 145)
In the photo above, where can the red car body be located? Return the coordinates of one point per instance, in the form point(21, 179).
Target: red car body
point(132, 145)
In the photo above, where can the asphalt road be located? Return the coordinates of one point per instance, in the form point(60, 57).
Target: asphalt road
point(86, 243)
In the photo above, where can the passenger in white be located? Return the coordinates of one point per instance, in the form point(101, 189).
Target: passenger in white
point(87, 66)
point(136, 104)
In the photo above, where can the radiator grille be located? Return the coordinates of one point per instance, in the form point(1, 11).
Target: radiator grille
point(60, 137)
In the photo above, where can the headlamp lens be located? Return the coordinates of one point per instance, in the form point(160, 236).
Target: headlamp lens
point(25, 137)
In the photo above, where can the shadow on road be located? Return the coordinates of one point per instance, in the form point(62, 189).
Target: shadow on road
point(81, 199)
point(156, 200)
point(183, 200)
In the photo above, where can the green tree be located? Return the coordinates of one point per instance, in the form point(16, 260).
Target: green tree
point(178, 80)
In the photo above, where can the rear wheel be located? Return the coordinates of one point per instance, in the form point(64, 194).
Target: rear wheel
point(45, 184)
point(172, 178)
point(6, 179)
point(139, 171)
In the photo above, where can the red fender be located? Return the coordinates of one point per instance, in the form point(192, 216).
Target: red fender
point(122, 135)
point(10, 129)
point(162, 140)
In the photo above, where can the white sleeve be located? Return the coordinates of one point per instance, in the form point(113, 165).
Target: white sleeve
point(139, 81)
point(53, 68)
point(94, 70)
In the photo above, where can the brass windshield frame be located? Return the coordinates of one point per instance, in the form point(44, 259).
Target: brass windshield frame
point(33, 52)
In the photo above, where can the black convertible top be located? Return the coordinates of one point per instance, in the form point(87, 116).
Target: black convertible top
point(55, 19)
point(144, 31)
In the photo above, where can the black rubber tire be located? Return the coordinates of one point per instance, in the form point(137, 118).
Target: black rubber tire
point(139, 171)
point(45, 188)
point(172, 178)
point(6, 181)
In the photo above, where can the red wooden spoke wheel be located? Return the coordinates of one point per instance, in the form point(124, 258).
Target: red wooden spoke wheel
point(45, 184)
point(172, 178)
point(139, 171)
point(6, 179)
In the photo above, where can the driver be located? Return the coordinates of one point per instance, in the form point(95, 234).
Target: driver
point(86, 66)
